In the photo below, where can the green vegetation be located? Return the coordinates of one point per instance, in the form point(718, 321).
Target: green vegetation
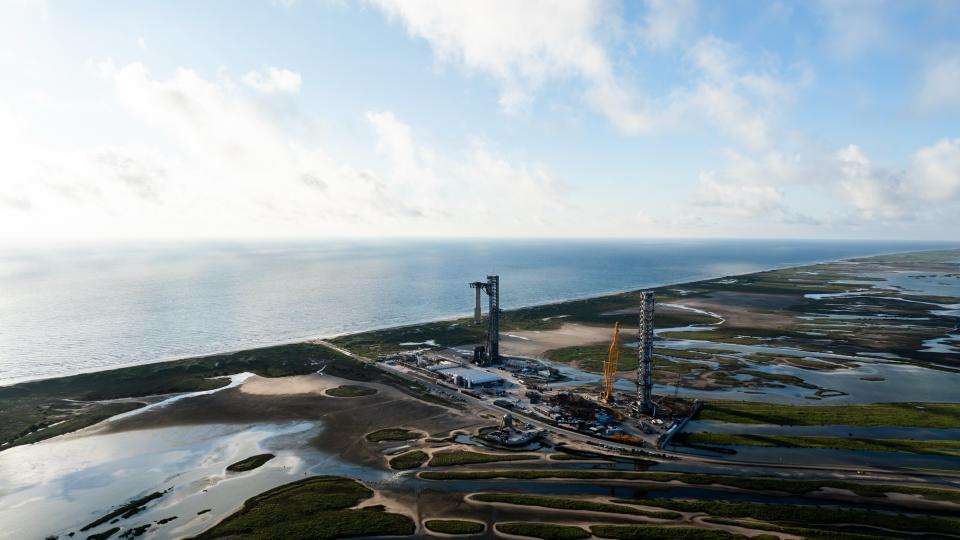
point(51, 417)
point(720, 334)
point(454, 526)
point(688, 354)
point(586, 357)
point(387, 341)
point(466, 457)
point(409, 460)
point(804, 515)
point(250, 463)
point(932, 415)
point(351, 390)
point(393, 435)
point(546, 531)
point(561, 503)
point(800, 362)
point(316, 507)
point(139, 530)
point(795, 487)
point(28, 408)
point(545, 317)
point(811, 534)
point(133, 507)
point(637, 532)
point(939, 447)
point(105, 534)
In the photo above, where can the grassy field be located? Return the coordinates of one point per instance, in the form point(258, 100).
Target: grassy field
point(454, 526)
point(939, 447)
point(562, 503)
point(30, 410)
point(393, 435)
point(466, 457)
point(590, 358)
point(547, 317)
point(932, 415)
point(796, 487)
point(351, 390)
point(546, 531)
point(409, 460)
point(637, 532)
point(316, 507)
point(250, 463)
point(803, 532)
point(804, 515)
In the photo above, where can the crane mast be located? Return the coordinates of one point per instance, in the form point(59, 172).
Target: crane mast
point(610, 366)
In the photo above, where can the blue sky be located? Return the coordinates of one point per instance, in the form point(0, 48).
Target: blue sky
point(441, 118)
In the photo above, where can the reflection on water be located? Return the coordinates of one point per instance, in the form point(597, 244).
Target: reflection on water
point(57, 486)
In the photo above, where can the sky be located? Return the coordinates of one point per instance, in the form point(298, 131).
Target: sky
point(138, 119)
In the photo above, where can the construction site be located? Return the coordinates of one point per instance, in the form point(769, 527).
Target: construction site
point(532, 392)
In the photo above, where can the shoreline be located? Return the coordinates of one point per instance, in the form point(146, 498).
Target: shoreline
point(448, 317)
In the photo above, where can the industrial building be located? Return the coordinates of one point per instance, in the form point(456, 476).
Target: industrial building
point(468, 377)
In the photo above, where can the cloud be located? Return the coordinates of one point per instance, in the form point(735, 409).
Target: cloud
point(738, 199)
point(274, 80)
point(940, 84)
point(855, 26)
point(665, 21)
point(873, 191)
point(221, 163)
point(935, 175)
point(757, 187)
point(522, 45)
point(741, 103)
point(475, 184)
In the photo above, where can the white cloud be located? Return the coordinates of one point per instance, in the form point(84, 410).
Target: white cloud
point(665, 21)
point(855, 26)
point(874, 192)
point(867, 193)
point(743, 104)
point(522, 45)
point(221, 164)
point(738, 199)
point(275, 80)
point(940, 84)
point(935, 175)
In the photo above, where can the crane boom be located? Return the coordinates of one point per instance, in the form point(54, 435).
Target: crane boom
point(610, 366)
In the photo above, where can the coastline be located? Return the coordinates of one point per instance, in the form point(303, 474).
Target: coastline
point(446, 317)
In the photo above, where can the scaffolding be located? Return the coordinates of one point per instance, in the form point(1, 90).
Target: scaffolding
point(644, 404)
point(490, 351)
point(610, 366)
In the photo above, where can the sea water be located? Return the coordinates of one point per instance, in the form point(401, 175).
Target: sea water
point(83, 307)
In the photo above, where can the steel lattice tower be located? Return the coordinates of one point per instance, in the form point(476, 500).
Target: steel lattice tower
point(490, 351)
point(493, 331)
point(645, 353)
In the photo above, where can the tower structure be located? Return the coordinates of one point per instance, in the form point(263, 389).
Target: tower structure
point(644, 403)
point(490, 350)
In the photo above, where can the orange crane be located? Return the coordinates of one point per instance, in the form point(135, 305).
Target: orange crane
point(610, 366)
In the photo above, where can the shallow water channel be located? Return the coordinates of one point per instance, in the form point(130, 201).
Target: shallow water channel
point(60, 485)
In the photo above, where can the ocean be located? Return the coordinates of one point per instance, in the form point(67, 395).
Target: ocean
point(95, 306)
